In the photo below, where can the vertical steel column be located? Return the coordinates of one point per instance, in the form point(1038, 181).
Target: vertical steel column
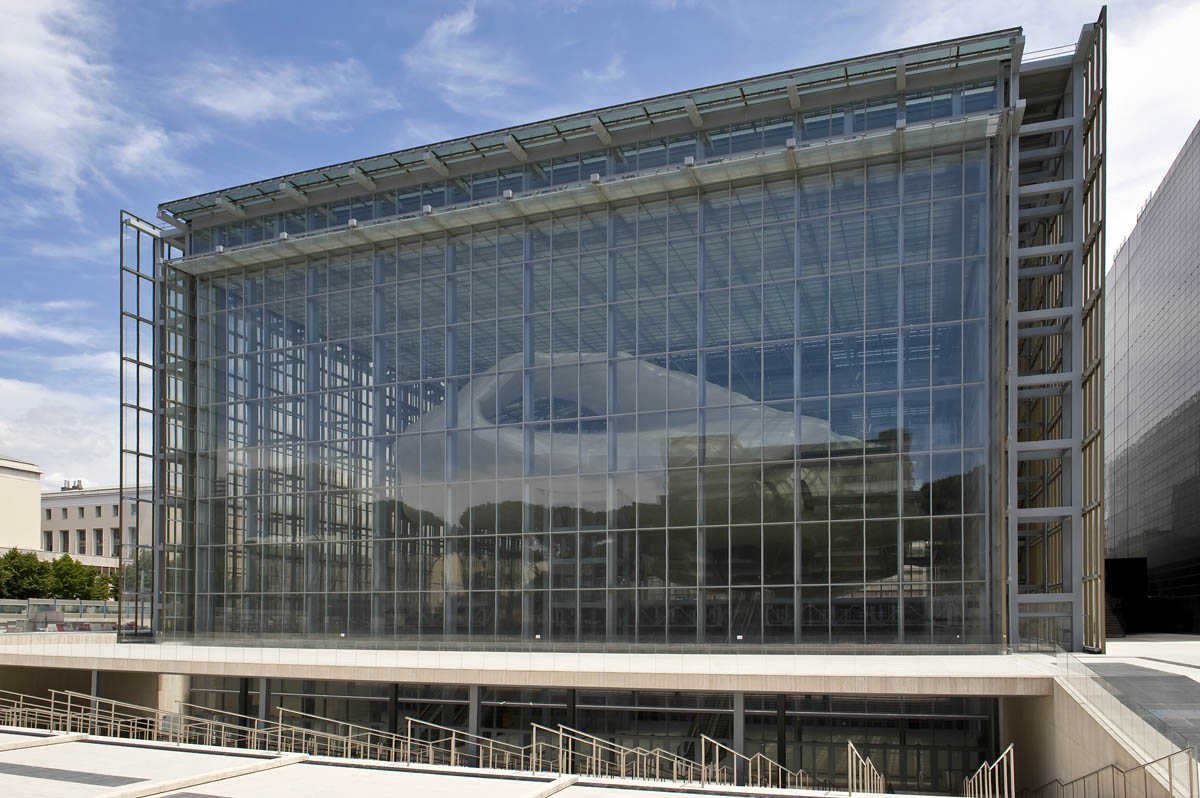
point(393, 708)
point(1013, 367)
point(473, 707)
point(264, 697)
point(781, 729)
point(739, 735)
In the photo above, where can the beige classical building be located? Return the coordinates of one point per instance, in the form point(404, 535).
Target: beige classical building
point(90, 524)
point(20, 493)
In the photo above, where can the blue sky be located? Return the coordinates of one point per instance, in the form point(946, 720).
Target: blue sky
point(128, 104)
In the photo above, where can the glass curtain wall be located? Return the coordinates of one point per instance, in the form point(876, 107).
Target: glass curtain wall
point(749, 413)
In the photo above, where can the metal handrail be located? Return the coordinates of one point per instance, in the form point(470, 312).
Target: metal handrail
point(1113, 781)
point(104, 716)
point(637, 763)
point(562, 750)
point(757, 770)
point(993, 780)
point(861, 774)
point(360, 742)
point(485, 751)
point(32, 712)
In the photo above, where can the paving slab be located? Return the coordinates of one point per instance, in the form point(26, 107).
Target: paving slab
point(317, 779)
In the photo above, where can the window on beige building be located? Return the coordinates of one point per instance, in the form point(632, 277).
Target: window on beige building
point(48, 514)
point(81, 540)
point(48, 540)
point(114, 537)
point(64, 540)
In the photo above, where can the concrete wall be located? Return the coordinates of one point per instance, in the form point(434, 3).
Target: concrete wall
point(1054, 737)
point(163, 691)
point(40, 681)
point(20, 505)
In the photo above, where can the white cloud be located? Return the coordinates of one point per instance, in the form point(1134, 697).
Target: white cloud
point(204, 5)
point(64, 125)
point(613, 70)
point(1151, 107)
point(65, 304)
point(248, 90)
point(105, 363)
point(69, 434)
point(16, 322)
point(473, 75)
point(101, 249)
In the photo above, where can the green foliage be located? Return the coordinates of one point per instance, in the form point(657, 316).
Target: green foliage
point(24, 576)
point(71, 579)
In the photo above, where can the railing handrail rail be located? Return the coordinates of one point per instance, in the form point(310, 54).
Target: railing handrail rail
point(876, 781)
point(465, 735)
point(1123, 771)
point(993, 779)
point(347, 724)
point(314, 732)
point(717, 743)
point(590, 739)
point(113, 702)
point(216, 712)
point(24, 697)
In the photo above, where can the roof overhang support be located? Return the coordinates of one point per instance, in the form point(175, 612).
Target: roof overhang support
point(287, 187)
point(288, 249)
point(436, 164)
point(516, 149)
point(361, 177)
point(356, 232)
point(601, 131)
point(226, 204)
point(901, 75)
point(427, 212)
point(179, 224)
point(598, 184)
point(793, 95)
point(694, 113)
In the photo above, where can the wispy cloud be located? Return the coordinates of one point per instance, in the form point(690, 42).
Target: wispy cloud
point(65, 304)
point(69, 434)
point(1149, 116)
point(17, 322)
point(474, 75)
point(64, 129)
point(250, 91)
point(101, 249)
point(613, 70)
point(108, 363)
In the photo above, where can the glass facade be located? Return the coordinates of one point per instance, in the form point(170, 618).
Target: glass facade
point(749, 412)
point(1152, 404)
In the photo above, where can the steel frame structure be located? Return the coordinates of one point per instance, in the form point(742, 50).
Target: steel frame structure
point(146, 355)
point(1055, 348)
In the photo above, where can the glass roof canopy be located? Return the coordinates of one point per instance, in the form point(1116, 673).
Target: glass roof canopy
point(604, 122)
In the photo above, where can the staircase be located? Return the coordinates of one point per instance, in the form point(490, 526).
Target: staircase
point(1113, 628)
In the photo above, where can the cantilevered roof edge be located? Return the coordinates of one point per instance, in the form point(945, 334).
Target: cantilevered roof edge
point(271, 185)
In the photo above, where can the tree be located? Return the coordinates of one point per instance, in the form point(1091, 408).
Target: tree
point(71, 579)
point(23, 576)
